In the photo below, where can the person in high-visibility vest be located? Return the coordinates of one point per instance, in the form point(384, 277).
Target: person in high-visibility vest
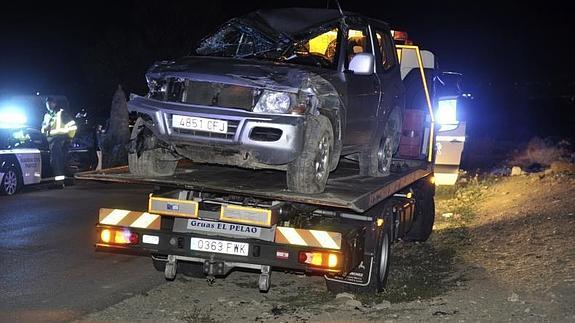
point(59, 128)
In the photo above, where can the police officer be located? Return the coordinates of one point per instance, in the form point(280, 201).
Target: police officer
point(59, 128)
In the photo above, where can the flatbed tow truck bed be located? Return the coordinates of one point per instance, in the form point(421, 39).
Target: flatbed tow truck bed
point(206, 220)
point(345, 189)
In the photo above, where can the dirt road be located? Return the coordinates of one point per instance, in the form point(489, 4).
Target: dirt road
point(502, 250)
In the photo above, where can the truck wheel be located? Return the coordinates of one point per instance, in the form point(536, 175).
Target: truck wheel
point(190, 269)
point(11, 182)
point(145, 158)
point(424, 214)
point(376, 160)
point(309, 172)
point(376, 267)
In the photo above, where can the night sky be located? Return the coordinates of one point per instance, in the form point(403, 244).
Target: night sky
point(512, 54)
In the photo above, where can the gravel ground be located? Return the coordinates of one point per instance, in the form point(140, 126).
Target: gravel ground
point(502, 250)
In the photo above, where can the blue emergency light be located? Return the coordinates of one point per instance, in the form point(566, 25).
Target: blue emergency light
point(12, 117)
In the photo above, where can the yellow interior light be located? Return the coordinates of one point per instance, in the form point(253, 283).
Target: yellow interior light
point(355, 33)
point(320, 43)
point(379, 222)
point(332, 260)
point(409, 195)
point(105, 236)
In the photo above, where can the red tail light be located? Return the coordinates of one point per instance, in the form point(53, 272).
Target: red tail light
point(320, 259)
point(118, 236)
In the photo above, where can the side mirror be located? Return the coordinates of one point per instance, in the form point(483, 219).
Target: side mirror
point(362, 64)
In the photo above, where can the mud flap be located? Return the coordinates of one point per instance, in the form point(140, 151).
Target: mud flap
point(359, 276)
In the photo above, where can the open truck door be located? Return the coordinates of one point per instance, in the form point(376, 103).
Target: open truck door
point(450, 137)
point(445, 98)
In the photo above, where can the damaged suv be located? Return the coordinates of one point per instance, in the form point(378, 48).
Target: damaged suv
point(287, 89)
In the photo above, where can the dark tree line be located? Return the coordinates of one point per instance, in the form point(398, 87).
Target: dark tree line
point(148, 33)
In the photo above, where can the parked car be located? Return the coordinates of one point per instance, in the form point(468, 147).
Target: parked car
point(287, 89)
point(24, 159)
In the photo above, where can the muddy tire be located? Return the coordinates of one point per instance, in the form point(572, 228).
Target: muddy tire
point(376, 160)
point(424, 214)
point(378, 272)
point(157, 162)
point(11, 182)
point(309, 172)
point(185, 268)
point(145, 158)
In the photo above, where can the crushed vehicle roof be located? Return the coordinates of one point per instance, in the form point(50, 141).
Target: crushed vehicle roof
point(292, 21)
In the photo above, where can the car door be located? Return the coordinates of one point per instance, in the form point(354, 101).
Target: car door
point(387, 71)
point(362, 90)
point(39, 141)
point(28, 156)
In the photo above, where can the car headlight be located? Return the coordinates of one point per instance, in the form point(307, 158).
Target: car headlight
point(446, 111)
point(158, 88)
point(273, 102)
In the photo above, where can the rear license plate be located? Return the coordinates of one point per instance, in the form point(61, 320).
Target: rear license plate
point(200, 124)
point(219, 246)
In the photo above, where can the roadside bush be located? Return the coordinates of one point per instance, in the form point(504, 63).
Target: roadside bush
point(543, 152)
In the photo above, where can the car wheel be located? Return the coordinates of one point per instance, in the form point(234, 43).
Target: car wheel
point(145, 158)
point(11, 182)
point(309, 172)
point(424, 213)
point(376, 160)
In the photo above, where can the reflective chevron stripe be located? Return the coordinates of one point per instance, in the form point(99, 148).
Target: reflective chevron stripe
point(310, 238)
point(131, 219)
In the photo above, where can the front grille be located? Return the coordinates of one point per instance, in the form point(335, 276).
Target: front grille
point(232, 128)
point(210, 94)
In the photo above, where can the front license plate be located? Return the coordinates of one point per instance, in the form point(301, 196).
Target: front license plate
point(219, 246)
point(200, 124)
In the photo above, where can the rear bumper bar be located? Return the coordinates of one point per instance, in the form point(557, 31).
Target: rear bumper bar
point(260, 253)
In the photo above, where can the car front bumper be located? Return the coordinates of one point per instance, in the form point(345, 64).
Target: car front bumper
point(239, 141)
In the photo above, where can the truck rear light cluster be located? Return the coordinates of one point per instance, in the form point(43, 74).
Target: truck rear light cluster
point(319, 259)
point(118, 236)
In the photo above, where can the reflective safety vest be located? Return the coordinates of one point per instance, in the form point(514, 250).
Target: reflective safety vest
point(53, 125)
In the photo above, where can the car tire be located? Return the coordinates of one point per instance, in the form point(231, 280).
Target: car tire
point(11, 181)
point(424, 213)
point(146, 161)
point(376, 160)
point(309, 172)
point(378, 273)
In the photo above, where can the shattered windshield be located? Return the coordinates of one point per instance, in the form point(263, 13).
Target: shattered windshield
point(316, 48)
point(236, 40)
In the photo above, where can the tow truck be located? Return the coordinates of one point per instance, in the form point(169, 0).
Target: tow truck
point(205, 220)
